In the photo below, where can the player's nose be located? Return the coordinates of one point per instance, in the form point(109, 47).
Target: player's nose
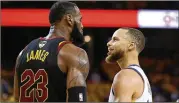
point(109, 43)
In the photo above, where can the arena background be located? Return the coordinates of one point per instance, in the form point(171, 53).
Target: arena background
point(160, 58)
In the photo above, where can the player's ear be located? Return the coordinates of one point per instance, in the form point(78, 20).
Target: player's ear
point(131, 46)
point(69, 19)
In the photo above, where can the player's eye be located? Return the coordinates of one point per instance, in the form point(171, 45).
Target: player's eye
point(115, 39)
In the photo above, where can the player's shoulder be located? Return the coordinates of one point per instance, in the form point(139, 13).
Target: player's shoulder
point(125, 72)
point(71, 48)
point(32, 42)
point(128, 75)
point(71, 51)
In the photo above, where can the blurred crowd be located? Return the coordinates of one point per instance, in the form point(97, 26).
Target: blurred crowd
point(162, 74)
point(128, 4)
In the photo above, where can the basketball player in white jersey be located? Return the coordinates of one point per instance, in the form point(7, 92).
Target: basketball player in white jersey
point(130, 84)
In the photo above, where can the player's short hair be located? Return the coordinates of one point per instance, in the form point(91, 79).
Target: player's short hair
point(59, 9)
point(138, 37)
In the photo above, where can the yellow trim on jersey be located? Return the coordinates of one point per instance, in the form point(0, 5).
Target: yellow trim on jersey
point(61, 43)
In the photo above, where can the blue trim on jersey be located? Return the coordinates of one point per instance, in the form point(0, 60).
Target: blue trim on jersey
point(137, 72)
point(134, 65)
point(112, 91)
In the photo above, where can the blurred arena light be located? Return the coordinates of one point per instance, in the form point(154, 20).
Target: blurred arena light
point(158, 18)
point(87, 38)
point(96, 18)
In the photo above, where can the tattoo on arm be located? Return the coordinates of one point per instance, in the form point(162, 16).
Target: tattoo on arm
point(74, 81)
point(83, 65)
point(81, 70)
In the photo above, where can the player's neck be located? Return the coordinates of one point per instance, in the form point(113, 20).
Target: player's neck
point(58, 32)
point(128, 60)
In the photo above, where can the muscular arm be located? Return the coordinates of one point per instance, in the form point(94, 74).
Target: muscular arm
point(77, 65)
point(124, 86)
point(78, 72)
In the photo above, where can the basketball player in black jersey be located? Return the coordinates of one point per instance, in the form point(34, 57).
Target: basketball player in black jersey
point(53, 68)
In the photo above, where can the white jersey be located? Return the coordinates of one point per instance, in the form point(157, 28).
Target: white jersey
point(146, 95)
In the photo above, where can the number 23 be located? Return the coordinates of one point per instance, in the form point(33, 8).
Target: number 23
point(34, 92)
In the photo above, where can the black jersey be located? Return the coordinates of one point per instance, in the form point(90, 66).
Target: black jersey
point(39, 77)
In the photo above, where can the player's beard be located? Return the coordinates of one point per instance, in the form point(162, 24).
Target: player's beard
point(113, 57)
point(77, 36)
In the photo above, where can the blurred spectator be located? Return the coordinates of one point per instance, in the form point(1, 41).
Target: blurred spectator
point(95, 77)
point(136, 4)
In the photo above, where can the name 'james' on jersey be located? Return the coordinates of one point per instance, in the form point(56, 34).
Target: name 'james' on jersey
point(39, 77)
